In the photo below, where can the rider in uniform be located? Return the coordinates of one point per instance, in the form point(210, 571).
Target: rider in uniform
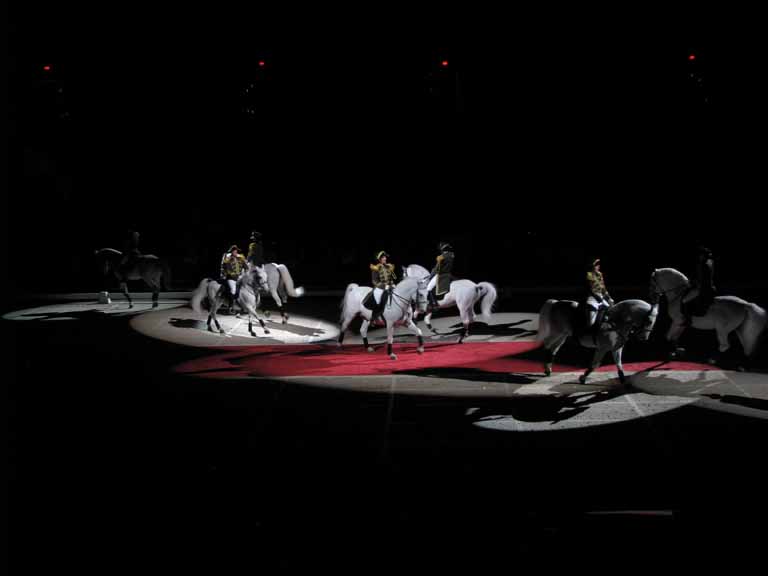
point(702, 293)
point(232, 266)
point(256, 249)
point(598, 299)
point(383, 278)
point(130, 250)
point(440, 280)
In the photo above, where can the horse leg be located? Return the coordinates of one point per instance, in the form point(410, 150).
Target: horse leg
point(466, 318)
point(552, 348)
point(596, 360)
point(428, 322)
point(390, 339)
point(155, 296)
point(673, 335)
point(279, 302)
point(364, 333)
point(343, 329)
point(124, 288)
point(416, 330)
point(722, 340)
point(619, 365)
point(252, 312)
point(741, 366)
point(212, 314)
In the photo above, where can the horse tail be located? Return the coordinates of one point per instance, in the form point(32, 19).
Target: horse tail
point(198, 294)
point(545, 320)
point(345, 301)
point(753, 327)
point(488, 296)
point(288, 281)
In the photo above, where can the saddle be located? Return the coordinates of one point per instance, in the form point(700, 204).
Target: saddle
point(370, 302)
point(699, 306)
point(582, 330)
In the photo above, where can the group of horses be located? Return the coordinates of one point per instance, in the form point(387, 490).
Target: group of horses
point(558, 319)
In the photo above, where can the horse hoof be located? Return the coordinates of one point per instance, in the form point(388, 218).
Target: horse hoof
point(338, 344)
point(622, 379)
point(285, 319)
point(740, 369)
point(393, 356)
point(420, 350)
point(712, 361)
point(547, 371)
point(222, 332)
point(370, 349)
point(266, 331)
point(582, 379)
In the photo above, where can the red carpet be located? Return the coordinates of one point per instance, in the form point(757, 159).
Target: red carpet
point(352, 360)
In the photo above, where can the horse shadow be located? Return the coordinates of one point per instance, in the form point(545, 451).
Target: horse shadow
point(483, 329)
point(471, 374)
point(81, 315)
point(544, 408)
point(745, 401)
point(188, 323)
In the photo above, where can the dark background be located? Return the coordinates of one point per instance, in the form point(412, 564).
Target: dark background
point(553, 134)
point(548, 137)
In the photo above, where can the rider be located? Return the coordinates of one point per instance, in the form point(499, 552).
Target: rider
point(698, 299)
point(130, 249)
point(383, 278)
point(232, 266)
point(598, 298)
point(256, 249)
point(440, 279)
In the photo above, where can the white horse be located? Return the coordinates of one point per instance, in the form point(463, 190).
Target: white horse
point(280, 286)
point(398, 311)
point(559, 319)
point(463, 294)
point(249, 298)
point(726, 314)
point(153, 270)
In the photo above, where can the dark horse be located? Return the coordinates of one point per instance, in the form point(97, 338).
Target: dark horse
point(153, 270)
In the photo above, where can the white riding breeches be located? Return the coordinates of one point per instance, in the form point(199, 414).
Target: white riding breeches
point(432, 283)
point(232, 286)
point(377, 292)
point(594, 306)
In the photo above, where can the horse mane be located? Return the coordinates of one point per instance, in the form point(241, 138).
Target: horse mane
point(420, 267)
point(109, 253)
point(673, 272)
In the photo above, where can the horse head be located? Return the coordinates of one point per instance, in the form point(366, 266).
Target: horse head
point(645, 323)
point(667, 282)
point(421, 296)
point(259, 277)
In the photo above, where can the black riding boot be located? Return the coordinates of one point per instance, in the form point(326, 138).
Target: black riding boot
point(432, 297)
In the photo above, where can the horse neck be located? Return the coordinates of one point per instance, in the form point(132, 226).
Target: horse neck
point(417, 270)
point(407, 288)
point(674, 281)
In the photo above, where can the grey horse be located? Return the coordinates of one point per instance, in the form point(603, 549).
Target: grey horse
point(154, 271)
point(559, 319)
